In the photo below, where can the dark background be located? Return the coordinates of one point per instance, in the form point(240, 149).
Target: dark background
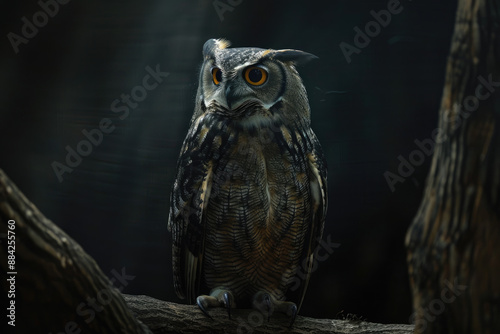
point(115, 203)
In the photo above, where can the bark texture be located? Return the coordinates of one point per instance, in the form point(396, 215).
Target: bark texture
point(454, 241)
point(58, 287)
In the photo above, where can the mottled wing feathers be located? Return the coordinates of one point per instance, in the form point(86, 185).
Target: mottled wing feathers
point(318, 186)
point(188, 205)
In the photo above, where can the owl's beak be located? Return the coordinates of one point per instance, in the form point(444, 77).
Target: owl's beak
point(229, 93)
point(226, 97)
point(230, 96)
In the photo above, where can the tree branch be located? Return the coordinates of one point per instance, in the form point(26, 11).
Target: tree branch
point(166, 317)
point(58, 285)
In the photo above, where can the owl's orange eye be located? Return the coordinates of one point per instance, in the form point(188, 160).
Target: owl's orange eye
point(255, 76)
point(216, 75)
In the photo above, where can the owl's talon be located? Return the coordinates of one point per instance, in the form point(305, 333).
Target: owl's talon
point(293, 310)
point(218, 297)
point(202, 303)
point(227, 302)
point(265, 302)
point(268, 302)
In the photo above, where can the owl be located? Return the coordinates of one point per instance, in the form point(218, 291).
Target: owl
point(249, 201)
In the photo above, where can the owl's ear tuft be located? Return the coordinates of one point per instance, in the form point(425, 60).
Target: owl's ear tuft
point(297, 57)
point(212, 44)
point(222, 43)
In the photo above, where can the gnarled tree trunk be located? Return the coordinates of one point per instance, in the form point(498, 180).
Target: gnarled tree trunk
point(58, 287)
point(454, 241)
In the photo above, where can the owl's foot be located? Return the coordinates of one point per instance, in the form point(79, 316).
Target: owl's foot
point(218, 297)
point(267, 304)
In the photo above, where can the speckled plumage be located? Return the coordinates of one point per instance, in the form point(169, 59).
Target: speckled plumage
point(249, 201)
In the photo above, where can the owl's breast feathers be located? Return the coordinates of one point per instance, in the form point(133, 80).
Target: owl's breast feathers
point(248, 206)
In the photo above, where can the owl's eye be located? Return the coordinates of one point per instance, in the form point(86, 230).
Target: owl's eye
point(255, 76)
point(216, 75)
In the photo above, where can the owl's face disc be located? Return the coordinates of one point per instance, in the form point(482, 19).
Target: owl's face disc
point(243, 82)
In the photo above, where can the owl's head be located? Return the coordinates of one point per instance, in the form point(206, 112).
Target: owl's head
point(242, 83)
